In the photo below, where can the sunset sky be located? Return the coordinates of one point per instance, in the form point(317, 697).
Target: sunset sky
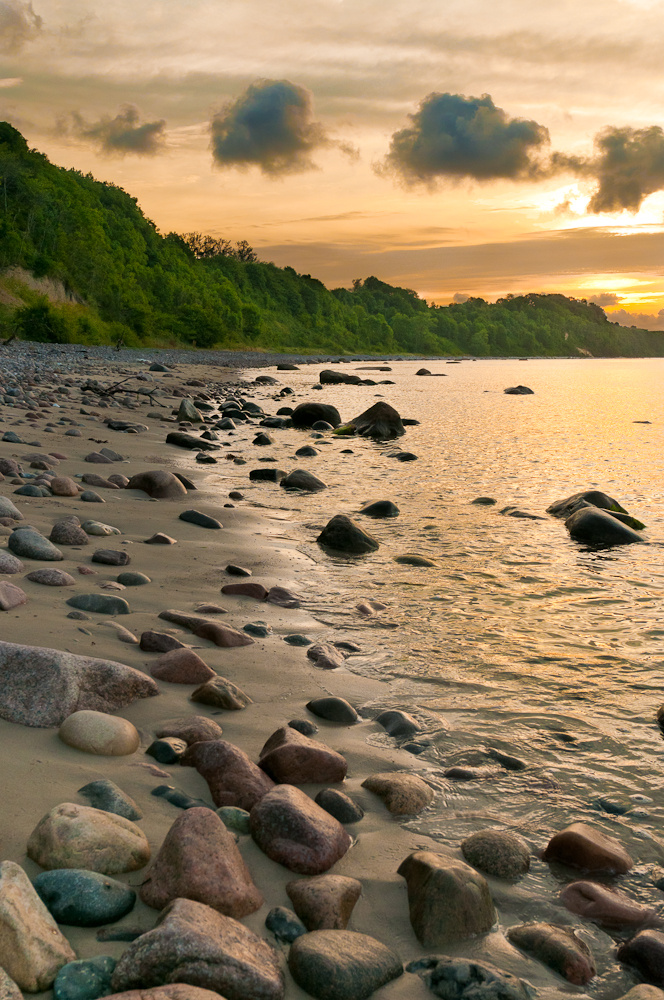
point(457, 147)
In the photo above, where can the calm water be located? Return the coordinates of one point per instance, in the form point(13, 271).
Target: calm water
point(519, 638)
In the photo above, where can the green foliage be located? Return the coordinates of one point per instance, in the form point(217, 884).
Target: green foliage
point(128, 284)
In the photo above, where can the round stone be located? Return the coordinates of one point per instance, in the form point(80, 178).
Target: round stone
point(82, 898)
point(99, 733)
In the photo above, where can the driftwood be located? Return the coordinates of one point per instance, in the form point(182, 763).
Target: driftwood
point(92, 385)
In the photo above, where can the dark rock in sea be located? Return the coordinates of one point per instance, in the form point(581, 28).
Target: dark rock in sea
point(585, 846)
point(380, 508)
point(304, 726)
point(202, 520)
point(284, 924)
point(557, 947)
point(267, 475)
point(414, 559)
point(306, 414)
point(343, 535)
point(334, 710)
point(341, 965)
point(645, 953)
point(104, 794)
point(463, 979)
point(448, 900)
point(306, 451)
point(204, 459)
point(397, 723)
point(191, 443)
point(511, 511)
point(167, 750)
point(594, 526)
point(81, 898)
point(322, 425)
point(339, 805)
point(497, 852)
point(518, 390)
point(403, 456)
point(287, 367)
point(302, 480)
point(381, 422)
point(484, 501)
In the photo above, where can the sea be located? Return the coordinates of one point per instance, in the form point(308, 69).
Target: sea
point(517, 639)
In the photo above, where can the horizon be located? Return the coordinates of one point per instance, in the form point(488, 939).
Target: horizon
point(470, 152)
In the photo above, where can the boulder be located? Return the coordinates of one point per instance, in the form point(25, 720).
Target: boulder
point(159, 484)
point(176, 991)
point(324, 902)
point(292, 830)
point(41, 687)
point(592, 498)
point(291, 758)
point(300, 479)
point(583, 846)
point(598, 527)
point(73, 836)
point(381, 422)
point(306, 414)
point(329, 377)
point(159, 642)
point(343, 535)
point(63, 486)
point(10, 564)
point(645, 953)
point(497, 852)
point(51, 577)
point(605, 906)
point(233, 779)
point(404, 794)
point(341, 965)
point(32, 949)
point(11, 596)
point(8, 988)
point(30, 544)
point(461, 979)
point(557, 947)
point(448, 900)
point(220, 635)
point(200, 860)
point(100, 604)
point(86, 978)
point(325, 656)
point(99, 733)
point(181, 666)
point(187, 411)
point(200, 947)
point(81, 898)
point(191, 728)
point(397, 723)
point(221, 693)
point(518, 390)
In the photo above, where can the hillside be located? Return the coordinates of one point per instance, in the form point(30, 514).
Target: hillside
point(79, 262)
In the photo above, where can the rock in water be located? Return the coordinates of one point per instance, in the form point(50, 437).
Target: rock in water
point(380, 508)
point(32, 949)
point(448, 900)
point(306, 414)
point(343, 535)
point(41, 687)
point(605, 906)
point(300, 479)
point(597, 527)
point(645, 953)
point(461, 979)
point(82, 898)
point(341, 965)
point(381, 422)
point(73, 836)
point(497, 852)
point(293, 831)
point(588, 498)
point(404, 794)
point(200, 860)
point(518, 390)
point(584, 846)
point(557, 947)
point(202, 948)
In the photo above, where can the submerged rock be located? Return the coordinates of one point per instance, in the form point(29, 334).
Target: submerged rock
point(584, 846)
point(605, 906)
point(463, 979)
point(381, 422)
point(598, 527)
point(645, 953)
point(557, 947)
point(343, 535)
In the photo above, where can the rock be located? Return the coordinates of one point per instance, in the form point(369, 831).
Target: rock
point(32, 949)
point(404, 794)
point(414, 559)
point(202, 520)
point(233, 779)
point(63, 486)
point(110, 557)
point(262, 440)
point(220, 635)
point(380, 508)
point(297, 639)
point(30, 544)
point(397, 723)
point(343, 535)
point(237, 570)
point(557, 947)
point(598, 527)
point(10, 991)
point(284, 924)
point(73, 836)
point(334, 710)
point(41, 687)
point(462, 773)
point(300, 479)
point(92, 479)
point(9, 563)
point(518, 390)
point(583, 846)
point(462, 979)
point(99, 733)
point(191, 443)
point(235, 819)
point(192, 729)
point(178, 798)
point(7, 508)
point(506, 760)
point(339, 805)
point(324, 902)
point(117, 479)
point(81, 898)
point(328, 377)
point(605, 906)
point(159, 642)
point(11, 596)
point(381, 422)
point(100, 529)
point(266, 475)
point(484, 501)
point(101, 604)
point(304, 726)
point(51, 577)
point(9, 467)
point(341, 965)
point(643, 991)
point(176, 991)
point(202, 947)
point(188, 411)
point(104, 794)
point(307, 451)
point(167, 751)
point(124, 425)
point(291, 758)
point(448, 900)
point(592, 498)
point(497, 852)
point(282, 598)
point(306, 414)
point(181, 666)
point(159, 538)
point(255, 590)
point(199, 860)
point(96, 458)
point(159, 484)
point(293, 831)
point(645, 953)
point(133, 579)
point(325, 656)
point(221, 693)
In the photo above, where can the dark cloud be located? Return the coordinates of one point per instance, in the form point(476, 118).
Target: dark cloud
point(18, 24)
point(645, 321)
point(122, 134)
point(455, 136)
point(460, 297)
point(605, 299)
point(628, 165)
point(270, 126)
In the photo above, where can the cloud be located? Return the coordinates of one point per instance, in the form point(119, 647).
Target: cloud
point(628, 165)
point(455, 136)
point(645, 321)
point(122, 134)
point(605, 299)
point(18, 25)
point(270, 126)
point(460, 297)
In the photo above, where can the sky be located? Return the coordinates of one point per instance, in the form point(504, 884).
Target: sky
point(456, 147)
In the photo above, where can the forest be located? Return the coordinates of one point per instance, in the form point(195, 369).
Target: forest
point(125, 283)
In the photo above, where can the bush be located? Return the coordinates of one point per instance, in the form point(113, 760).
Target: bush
point(41, 323)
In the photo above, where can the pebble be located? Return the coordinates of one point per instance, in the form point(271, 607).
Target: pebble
point(51, 577)
point(111, 557)
point(81, 898)
point(159, 538)
point(133, 579)
point(284, 924)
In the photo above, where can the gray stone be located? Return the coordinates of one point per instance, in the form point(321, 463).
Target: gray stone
point(497, 852)
point(81, 898)
point(133, 579)
point(85, 979)
point(202, 520)
point(7, 509)
point(339, 805)
point(102, 604)
point(341, 965)
point(104, 794)
point(30, 544)
point(284, 924)
point(463, 979)
point(111, 557)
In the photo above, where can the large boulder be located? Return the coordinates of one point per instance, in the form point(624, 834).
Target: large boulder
point(194, 944)
point(343, 535)
point(233, 779)
point(448, 900)
point(584, 846)
point(597, 527)
point(329, 377)
point(341, 965)
point(200, 860)
point(291, 829)
point(306, 414)
point(324, 902)
point(73, 836)
point(41, 687)
point(558, 947)
point(592, 498)
point(645, 953)
point(381, 421)
point(159, 484)
point(605, 906)
point(291, 758)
